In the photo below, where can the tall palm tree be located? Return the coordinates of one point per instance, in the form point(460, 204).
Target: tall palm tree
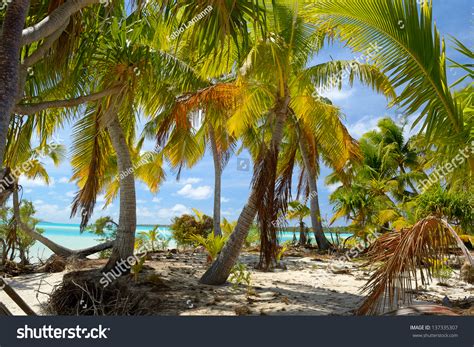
point(390, 165)
point(286, 50)
point(299, 211)
point(124, 61)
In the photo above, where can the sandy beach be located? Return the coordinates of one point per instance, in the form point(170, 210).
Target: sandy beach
point(307, 287)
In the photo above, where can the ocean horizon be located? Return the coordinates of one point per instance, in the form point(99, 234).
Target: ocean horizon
point(70, 236)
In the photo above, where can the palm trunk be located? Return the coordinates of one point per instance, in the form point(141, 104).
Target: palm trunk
point(316, 223)
point(124, 244)
point(217, 182)
point(221, 268)
point(10, 46)
point(302, 241)
point(53, 246)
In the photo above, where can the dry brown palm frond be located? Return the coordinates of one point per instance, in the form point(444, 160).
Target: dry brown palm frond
point(407, 257)
point(221, 96)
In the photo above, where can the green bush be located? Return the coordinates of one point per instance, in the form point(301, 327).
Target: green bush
point(187, 226)
point(456, 207)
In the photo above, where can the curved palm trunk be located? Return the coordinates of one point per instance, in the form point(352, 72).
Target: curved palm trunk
point(321, 240)
point(10, 46)
point(53, 246)
point(123, 247)
point(222, 266)
point(217, 182)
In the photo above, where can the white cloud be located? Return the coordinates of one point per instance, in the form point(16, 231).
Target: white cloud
point(52, 212)
point(338, 95)
point(331, 188)
point(176, 210)
point(28, 190)
point(35, 182)
point(198, 193)
point(156, 199)
point(71, 194)
point(63, 180)
point(141, 201)
point(100, 198)
point(144, 212)
point(363, 125)
point(224, 199)
point(190, 180)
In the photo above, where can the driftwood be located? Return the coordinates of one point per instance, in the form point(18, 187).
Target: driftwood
point(4, 311)
point(16, 298)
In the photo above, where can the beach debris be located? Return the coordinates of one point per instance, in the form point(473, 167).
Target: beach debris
point(55, 263)
point(467, 272)
point(4, 310)
point(446, 302)
point(242, 310)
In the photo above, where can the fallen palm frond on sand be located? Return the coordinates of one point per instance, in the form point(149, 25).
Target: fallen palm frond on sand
point(407, 257)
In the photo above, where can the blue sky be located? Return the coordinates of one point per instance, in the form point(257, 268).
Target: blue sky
point(362, 109)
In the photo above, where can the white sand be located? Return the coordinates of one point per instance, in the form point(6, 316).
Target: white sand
point(307, 287)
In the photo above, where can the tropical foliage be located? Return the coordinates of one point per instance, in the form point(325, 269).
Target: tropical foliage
point(246, 76)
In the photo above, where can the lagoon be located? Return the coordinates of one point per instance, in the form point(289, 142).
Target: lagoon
point(69, 235)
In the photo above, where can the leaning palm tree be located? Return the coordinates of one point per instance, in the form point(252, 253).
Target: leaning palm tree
point(123, 62)
point(286, 50)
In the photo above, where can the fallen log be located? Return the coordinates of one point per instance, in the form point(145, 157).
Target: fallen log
point(16, 298)
point(53, 246)
point(4, 311)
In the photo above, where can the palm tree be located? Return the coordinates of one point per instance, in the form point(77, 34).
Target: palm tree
point(376, 187)
point(121, 61)
point(286, 50)
point(300, 212)
point(18, 42)
point(412, 55)
point(152, 236)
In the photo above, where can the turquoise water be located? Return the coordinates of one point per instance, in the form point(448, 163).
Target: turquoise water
point(69, 235)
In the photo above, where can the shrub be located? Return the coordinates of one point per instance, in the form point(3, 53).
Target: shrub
point(456, 207)
point(213, 244)
point(253, 237)
point(186, 226)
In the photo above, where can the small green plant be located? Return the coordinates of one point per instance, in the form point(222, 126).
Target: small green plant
point(228, 227)
point(441, 270)
point(106, 229)
point(212, 243)
point(253, 237)
point(15, 242)
point(282, 250)
point(240, 275)
point(138, 267)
